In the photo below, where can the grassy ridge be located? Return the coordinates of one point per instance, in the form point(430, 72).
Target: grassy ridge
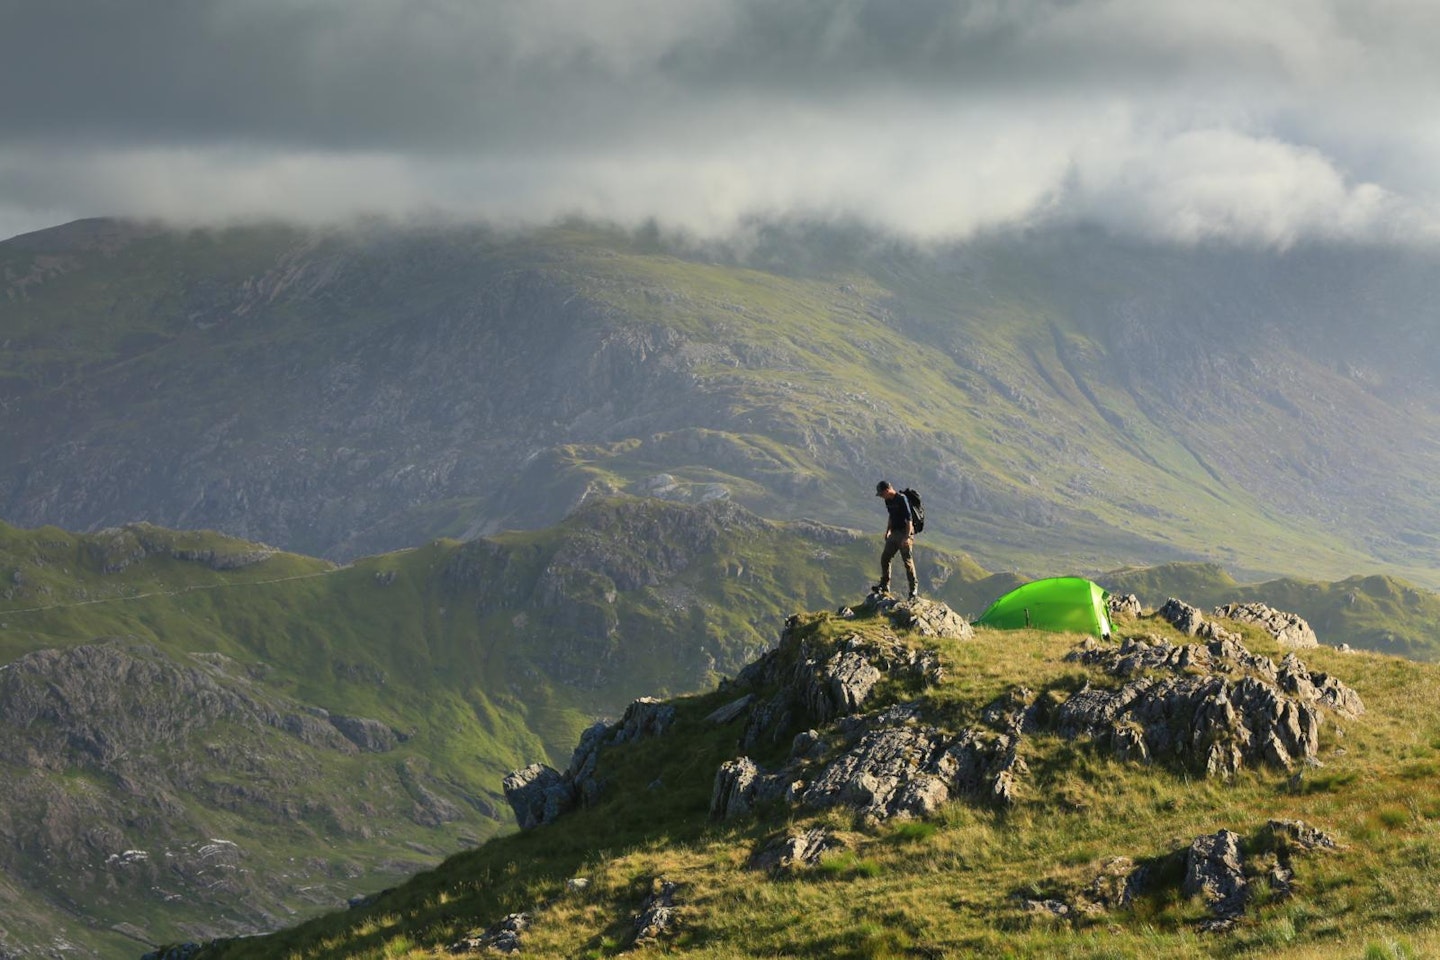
point(484, 656)
point(954, 886)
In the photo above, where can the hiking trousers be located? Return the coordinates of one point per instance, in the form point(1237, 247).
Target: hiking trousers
point(894, 545)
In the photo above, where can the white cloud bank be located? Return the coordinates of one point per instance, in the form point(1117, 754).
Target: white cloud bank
point(1259, 123)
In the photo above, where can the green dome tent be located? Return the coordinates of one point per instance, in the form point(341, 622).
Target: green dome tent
point(1062, 604)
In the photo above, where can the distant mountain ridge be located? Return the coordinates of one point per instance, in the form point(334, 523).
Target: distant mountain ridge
point(1065, 401)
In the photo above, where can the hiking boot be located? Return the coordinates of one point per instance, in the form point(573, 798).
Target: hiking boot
point(880, 588)
point(914, 595)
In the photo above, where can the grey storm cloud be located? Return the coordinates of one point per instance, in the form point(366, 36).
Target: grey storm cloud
point(1261, 122)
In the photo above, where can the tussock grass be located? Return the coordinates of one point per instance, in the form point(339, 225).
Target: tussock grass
point(954, 885)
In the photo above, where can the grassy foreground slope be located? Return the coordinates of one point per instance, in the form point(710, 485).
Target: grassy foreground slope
point(341, 727)
point(955, 885)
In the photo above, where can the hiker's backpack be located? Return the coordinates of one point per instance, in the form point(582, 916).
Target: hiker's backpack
point(917, 511)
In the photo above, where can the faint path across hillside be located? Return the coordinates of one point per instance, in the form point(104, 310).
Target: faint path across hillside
point(173, 593)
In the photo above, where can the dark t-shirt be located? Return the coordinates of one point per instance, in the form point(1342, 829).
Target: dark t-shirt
point(899, 508)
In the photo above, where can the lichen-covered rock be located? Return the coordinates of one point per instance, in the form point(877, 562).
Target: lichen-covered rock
point(1115, 886)
point(1222, 707)
point(1181, 616)
point(890, 766)
point(1215, 872)
point(890, 772)
point(503, 937)
point(929, 618)
point(1126, 607)
point(1287, 628)
point(821, 680)
point(658, 914)
point(733, 794)
point(789, 851)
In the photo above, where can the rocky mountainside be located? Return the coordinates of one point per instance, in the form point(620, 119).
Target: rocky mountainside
point(1062, 400)
point(889, 782)
point(205, 737)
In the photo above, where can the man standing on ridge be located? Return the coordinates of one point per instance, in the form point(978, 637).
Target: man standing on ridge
point(899, 537)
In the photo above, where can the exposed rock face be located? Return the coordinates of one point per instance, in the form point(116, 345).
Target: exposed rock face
point(890, 766)
point(1288, 628)
point(1181, 616)
point(540, 794)
point(369, 735)
point(1222, 707)
point(1215, 871)
point(821, 681)
point(928, 618)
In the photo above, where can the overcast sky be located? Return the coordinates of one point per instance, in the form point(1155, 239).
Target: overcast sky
point(1259, 121)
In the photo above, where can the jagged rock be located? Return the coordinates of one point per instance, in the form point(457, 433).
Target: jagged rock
point(892, 767)
point(827, 680)
point(1181, 616)
point(791, 850)
point(539, 794)
point(1127, 606)
point(371, 736)
point(657, 917)
point(503, 937)
point(1215, 871)
point(1225, 706)
point(1295, 679)
point(1287, 628)
point(891, 772)
point(733, 794)
point(646, 717)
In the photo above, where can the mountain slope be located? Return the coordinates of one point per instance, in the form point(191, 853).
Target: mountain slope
point(1096, 854)
point(1065, 401)
point(201, 736)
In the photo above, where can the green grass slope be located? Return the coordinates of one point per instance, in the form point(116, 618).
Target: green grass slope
point(185, 684)
point(955, 885)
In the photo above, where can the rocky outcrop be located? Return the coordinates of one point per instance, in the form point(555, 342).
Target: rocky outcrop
point(1287, 628)
point(1215, 872)
point(822, 680)
point(888, 766)
point(794, 850)
point(540, 794)
point(502, 937)
point(659, 914)
point(1220, 708)
point(927, 618)
point(1125, 607)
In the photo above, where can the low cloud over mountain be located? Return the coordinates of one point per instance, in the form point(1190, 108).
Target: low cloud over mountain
point(1265, 125)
